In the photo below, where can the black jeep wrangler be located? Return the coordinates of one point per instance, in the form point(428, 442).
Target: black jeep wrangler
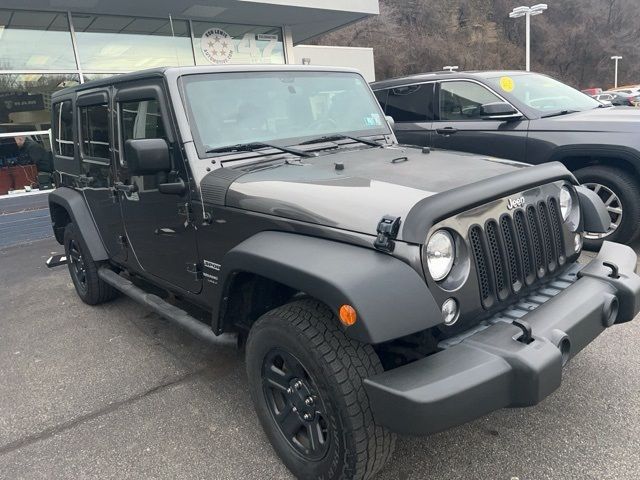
point(376, 288)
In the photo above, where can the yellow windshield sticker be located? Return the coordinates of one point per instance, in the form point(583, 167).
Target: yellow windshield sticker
point(506, 83)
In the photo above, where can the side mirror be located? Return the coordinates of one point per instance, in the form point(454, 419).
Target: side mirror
point(390, 120)
point(499, 111)
point(147, 156)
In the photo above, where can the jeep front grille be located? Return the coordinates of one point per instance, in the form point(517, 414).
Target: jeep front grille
point(517, 250)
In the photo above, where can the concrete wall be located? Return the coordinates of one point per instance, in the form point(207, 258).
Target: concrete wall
point(355, 57)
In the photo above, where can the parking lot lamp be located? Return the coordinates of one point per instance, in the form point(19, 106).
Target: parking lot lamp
point(528, 12)
point(615, 76)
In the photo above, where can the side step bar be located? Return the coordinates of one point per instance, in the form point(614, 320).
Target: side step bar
point(181, 318)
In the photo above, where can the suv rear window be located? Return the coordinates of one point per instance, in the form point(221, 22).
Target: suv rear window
point(63, 129)
point(94, 121)
point(413, 103)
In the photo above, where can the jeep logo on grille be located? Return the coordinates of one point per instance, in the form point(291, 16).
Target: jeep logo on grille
point(515, 203)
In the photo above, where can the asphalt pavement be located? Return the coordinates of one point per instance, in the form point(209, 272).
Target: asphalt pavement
point(115, 392)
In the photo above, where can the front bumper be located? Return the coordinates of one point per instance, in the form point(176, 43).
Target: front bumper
point(492, 368)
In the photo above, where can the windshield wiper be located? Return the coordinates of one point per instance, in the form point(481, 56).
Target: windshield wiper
point(339, 136)
point(255, 146)
point(561, 112)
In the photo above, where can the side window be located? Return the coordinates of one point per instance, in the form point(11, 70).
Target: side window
point(413, 103)
point(63, 129)
point(462, 100)
point(141, 119)
point(382, 95)
point(94, 131)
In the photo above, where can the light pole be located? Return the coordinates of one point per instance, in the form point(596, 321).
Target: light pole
point(615, 81)
point(451, 68)
point(528, 12)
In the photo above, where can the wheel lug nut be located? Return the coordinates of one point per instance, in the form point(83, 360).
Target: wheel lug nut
point(294, 409)
point(306, 416)
point(289, 391)
point(308, 401)
point(298, 385)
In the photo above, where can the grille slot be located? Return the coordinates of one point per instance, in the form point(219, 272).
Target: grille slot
point(516, 250)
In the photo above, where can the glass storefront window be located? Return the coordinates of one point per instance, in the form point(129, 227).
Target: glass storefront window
point(216, 44)
point(35, 41)
point(117, 44)
point(25, 106)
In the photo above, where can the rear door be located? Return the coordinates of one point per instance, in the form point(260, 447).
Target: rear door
point(158, 225)
point(459, 126)
point(412, 109)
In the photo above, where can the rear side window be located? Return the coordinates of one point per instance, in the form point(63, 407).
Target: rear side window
point(63, 129)
point(141, 119)
point(94, 128)
point(382, 95)
point(413, 103)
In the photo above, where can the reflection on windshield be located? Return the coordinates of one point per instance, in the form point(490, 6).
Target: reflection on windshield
point(283, 107)
point(543, 93)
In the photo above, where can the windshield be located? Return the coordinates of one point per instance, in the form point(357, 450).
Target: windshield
point(278, 107)
point(543, 93)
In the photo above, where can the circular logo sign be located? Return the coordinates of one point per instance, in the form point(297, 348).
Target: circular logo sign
point(217, 46)
point(507, 84)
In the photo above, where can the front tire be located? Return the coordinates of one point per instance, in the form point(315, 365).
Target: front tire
point(91, 289)
point(621, 194)
point(306, 381)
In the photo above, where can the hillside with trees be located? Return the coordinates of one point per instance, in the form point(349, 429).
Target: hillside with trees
point(572, 41)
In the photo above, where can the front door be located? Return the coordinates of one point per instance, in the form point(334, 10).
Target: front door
point(158, 225)
point(459, 125)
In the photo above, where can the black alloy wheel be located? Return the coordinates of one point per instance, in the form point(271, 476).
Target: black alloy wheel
point(295, 404)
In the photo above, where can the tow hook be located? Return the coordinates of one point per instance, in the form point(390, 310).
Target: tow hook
point(56, 260)
point(526, 336)
point(615, 273)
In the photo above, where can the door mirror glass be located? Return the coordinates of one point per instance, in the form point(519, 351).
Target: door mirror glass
point(498, 111)
point(147, 156)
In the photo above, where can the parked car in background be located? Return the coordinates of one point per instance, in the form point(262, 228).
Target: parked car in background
point(530, 118)
point(619, 99)
point(592, 91)
point(632, 89)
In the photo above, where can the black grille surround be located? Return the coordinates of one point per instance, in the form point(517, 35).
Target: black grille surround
point(517, 250)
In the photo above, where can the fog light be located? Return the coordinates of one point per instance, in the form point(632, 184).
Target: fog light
point(450, 311)
point(577, 242)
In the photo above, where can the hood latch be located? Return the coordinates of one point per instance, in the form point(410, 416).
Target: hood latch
point(387, 230)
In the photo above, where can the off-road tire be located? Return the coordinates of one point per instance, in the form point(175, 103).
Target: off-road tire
point(308, 330)
point(626, 187)
point(91, 289)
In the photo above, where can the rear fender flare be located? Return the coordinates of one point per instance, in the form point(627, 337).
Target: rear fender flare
point(76, 206)
point(390, 298)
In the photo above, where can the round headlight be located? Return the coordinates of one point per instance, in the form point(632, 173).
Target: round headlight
point(566, 202)
point(440, 254)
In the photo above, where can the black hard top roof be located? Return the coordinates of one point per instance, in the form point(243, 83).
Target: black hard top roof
point(178, 71)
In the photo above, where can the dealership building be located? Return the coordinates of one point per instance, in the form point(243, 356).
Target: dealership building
point(46, 45)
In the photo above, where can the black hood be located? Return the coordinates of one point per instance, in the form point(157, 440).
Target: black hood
point(609, 119)
point(373, 182)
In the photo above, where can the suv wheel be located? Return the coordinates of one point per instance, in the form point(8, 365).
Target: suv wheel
point(84, 271)
point(306, 380)
point(621, 194)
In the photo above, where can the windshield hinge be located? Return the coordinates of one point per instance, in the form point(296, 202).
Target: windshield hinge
point(387, 230)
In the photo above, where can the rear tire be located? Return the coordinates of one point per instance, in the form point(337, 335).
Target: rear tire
point(91, 289)
point(621, 189)
point(298, 356)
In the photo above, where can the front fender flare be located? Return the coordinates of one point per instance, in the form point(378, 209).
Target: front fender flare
point(391, 299)
point(76, 206)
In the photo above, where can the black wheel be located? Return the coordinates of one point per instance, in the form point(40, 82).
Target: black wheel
point(620, 193)
point(84, 271)
point(306, 380)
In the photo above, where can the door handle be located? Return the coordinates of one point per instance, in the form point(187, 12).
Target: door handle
point(446, 131)
point(121, 187)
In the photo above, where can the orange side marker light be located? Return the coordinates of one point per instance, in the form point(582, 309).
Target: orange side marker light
point(348, 315)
